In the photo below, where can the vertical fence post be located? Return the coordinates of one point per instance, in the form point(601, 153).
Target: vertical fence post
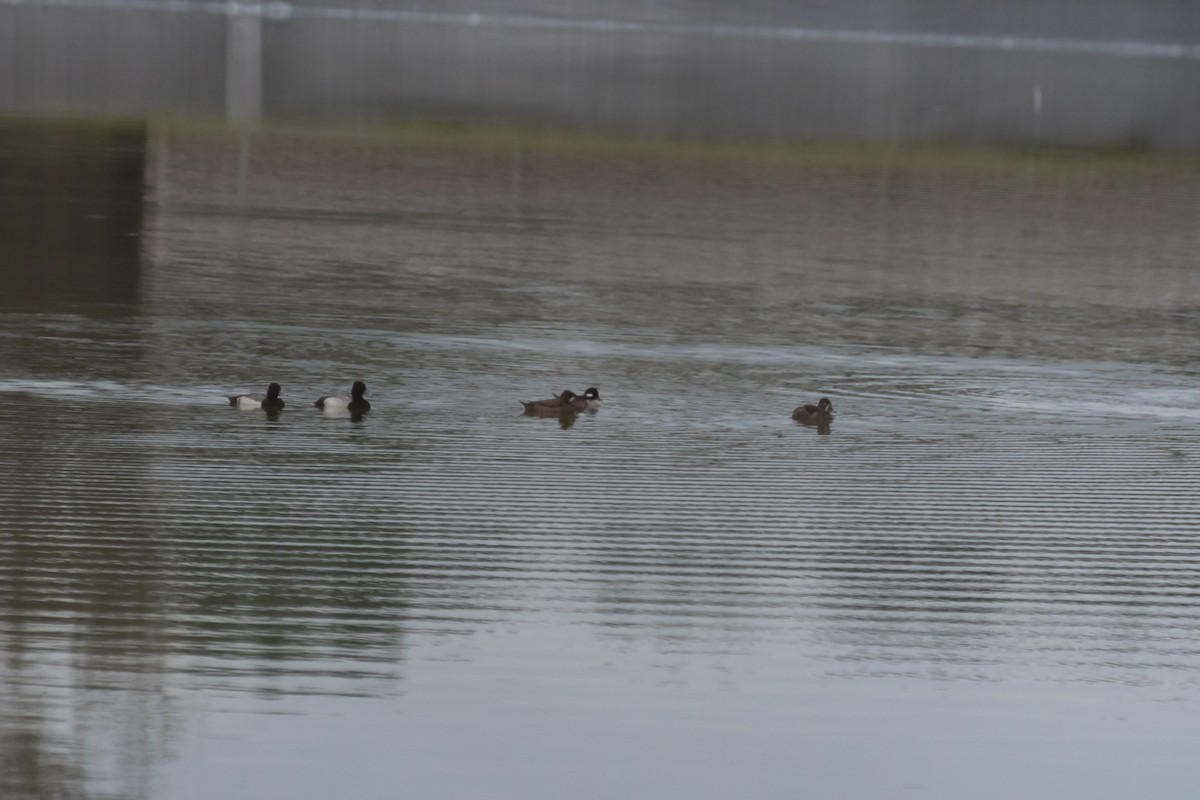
point(243, 64)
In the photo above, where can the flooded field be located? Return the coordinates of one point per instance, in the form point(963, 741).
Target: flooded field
point(982, 579)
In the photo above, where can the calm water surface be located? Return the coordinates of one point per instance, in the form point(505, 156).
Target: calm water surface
point(983, 580)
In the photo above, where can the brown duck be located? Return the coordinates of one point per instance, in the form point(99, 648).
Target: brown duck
point(819, 414)
point(565, 403)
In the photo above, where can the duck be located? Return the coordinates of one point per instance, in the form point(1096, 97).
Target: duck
point(589, 400)
point(565, 403)
point(355, 404)
point(271, 401)
point(820, 414)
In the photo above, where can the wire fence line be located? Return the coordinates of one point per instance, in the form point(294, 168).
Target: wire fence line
point(280, 11)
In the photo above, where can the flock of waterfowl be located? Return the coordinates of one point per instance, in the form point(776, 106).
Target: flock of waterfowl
point(567, 403)
point(271, 401)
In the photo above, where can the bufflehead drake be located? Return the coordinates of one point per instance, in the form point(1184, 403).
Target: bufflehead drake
point(271, 401)
point(589, 401)
point(821, 413)
point(355, 404)
point(563, 404)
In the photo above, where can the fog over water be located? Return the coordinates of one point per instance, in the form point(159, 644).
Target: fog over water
point(1117, 73)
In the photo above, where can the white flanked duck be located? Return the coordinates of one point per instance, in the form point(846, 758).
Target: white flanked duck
point(355, 403)
point(271, 401)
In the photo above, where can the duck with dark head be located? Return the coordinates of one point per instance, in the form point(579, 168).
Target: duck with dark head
point(820, 414)
point(271, 401)
point(589, 400)
point(355, 403)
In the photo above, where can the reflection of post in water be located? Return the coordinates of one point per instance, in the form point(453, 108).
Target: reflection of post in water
point(70, 214)
point(82, 533)
point(31, 763)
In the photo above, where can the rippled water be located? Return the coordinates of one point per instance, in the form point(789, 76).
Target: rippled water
point(980, 581)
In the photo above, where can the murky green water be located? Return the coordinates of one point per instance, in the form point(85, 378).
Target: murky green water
point(981, 581)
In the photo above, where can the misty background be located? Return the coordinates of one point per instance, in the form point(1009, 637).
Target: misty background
point(1071, 72)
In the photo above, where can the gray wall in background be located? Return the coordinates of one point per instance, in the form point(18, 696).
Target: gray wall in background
point(71, 59)
point(1060, 71)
